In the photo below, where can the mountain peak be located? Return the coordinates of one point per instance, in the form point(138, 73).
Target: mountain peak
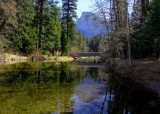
point(90, 25)
point(86, 13)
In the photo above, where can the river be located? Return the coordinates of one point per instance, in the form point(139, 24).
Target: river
point(71, 88)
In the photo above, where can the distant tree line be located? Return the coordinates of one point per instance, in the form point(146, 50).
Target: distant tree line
point(32, 26)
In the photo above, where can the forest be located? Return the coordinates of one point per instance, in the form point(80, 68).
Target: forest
point(48, 66)
point(41, 26)
point(31, 26)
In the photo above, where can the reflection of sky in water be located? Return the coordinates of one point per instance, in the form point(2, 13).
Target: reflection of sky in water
point(91, 107)
point(90, 97)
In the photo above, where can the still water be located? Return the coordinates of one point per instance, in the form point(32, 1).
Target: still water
point(70, 88)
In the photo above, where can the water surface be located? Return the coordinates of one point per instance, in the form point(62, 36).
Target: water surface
point(70, 88)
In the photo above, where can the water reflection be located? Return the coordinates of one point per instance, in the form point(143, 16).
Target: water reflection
point(37, 88)
point(126, 97)
point(67, 88)
point(89, 97)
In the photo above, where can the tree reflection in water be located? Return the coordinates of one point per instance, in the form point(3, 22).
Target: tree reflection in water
point(121, 96)
point(36, 88)
point(66, 88)
point(127, 97)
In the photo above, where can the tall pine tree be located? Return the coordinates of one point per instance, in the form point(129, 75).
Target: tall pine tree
point(47, 26)
point(152, 25)
point(25, 35)
point(146, 40)
point(52, 30)
point(69, 8)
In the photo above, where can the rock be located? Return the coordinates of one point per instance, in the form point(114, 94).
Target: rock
point(90, 25)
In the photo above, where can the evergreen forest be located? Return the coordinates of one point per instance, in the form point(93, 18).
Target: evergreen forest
point(41, 26)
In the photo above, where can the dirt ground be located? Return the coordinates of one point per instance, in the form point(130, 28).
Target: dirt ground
point(144, 72)
point(147, 73)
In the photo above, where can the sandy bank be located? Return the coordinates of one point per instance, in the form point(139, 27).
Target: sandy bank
point(9, 58)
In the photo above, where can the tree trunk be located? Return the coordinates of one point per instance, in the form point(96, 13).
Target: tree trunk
point(68, 22)
point(128, 36)
point(2, 25)
point(144, 7)
point(157, 54)
point(41, 3)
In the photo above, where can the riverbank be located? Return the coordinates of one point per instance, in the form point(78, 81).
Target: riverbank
point(59, 58)
point(12, 58)
point(146, 73)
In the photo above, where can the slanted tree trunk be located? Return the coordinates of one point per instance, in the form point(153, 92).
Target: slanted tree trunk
point(128, 35)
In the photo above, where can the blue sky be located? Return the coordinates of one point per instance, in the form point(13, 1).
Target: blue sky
point(83, 5)
point(86, 5)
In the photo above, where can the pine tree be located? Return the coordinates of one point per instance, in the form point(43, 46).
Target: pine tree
point(52, 30)
point(39, 18)
point(64, 43)
point(25, 35)
point(146, 40)
point(144, 9)
point(68, 25)
point(80, 42)
point(48, 26)
point(152, 24)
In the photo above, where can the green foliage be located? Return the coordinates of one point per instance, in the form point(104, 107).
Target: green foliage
point(64, 44)
point(52, 30)
point(68, 25)
point(146, 40)
point(80, 40)
point(82, 43)
point(95, 43)
point(25, 36)
point(48, 26)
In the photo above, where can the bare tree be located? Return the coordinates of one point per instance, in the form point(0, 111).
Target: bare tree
point(116, 16)
point(103, 10)
point(8, 22)
point(9, 11)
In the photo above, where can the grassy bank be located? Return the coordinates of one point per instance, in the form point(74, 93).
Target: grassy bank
point(59, 58)
point(11, 58)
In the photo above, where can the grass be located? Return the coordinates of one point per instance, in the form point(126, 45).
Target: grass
point(59, 58)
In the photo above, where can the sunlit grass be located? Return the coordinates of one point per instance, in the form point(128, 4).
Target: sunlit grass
point(59, 58)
